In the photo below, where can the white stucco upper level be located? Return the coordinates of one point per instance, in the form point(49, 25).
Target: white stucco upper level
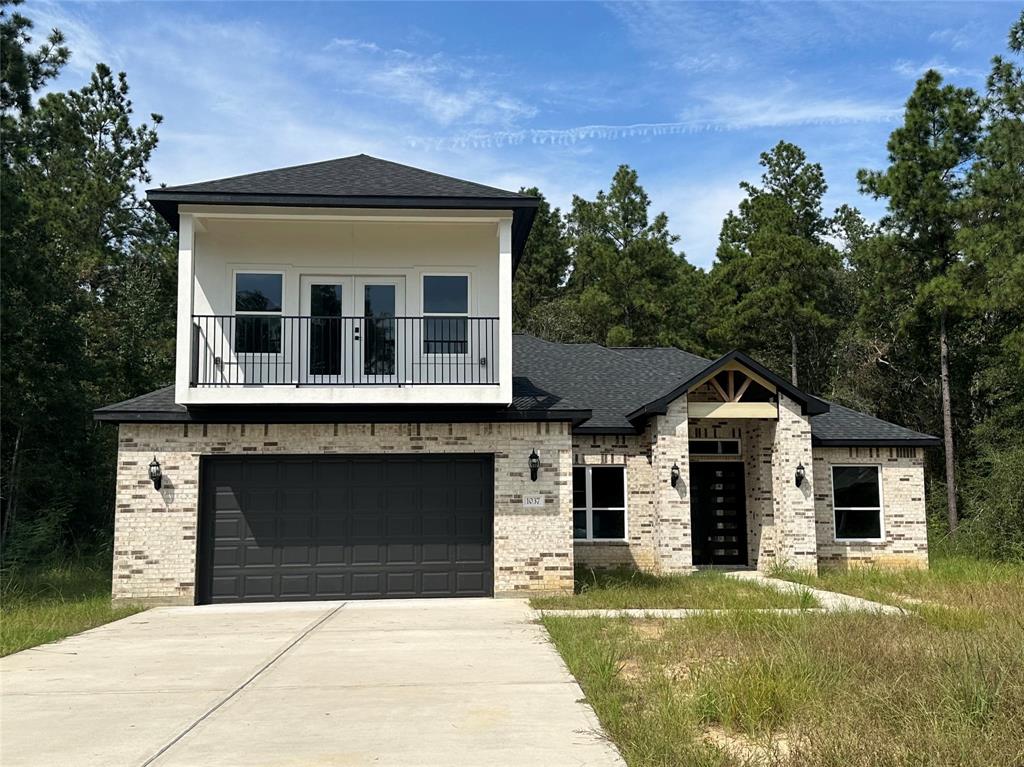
point(307, 305)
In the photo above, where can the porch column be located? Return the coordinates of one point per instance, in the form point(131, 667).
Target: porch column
point(670, 446)
point(796, 543)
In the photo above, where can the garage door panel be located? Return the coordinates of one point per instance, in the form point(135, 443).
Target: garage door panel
point(330, 555)
point(367, 554)
point(341, 527)
point(435, 553)
point(258, 556)
point(470, 552)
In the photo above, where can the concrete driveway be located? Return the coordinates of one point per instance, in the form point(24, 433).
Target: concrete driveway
point(419, 682)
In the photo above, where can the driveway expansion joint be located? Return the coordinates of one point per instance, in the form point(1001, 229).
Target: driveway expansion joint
point(213, 709)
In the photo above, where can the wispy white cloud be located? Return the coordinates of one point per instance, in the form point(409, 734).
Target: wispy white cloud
point(956, 39)
point(912, 69)
point(441, 88)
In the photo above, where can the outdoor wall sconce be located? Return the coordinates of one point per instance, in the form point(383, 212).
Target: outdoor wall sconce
point(534, 465)
point(155, 473)
point(674, 474)
point(800, 474)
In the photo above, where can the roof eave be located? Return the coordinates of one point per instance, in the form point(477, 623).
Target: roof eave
point(524, 209)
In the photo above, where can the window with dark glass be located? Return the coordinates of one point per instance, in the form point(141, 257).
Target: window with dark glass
point(599, 502)
point(857, 502)
point(258, 306)
point(445, 314)
point(325, 329)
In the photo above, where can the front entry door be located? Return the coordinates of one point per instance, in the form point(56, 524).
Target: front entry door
point(718, 513)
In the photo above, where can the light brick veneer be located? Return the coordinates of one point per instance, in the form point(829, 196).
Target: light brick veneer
point(795, 535)
point(155, 532)
point(633, 452)
point(670, 445)
point(903, 507)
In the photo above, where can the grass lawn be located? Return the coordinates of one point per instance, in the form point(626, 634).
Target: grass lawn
point(616, 589)
point(43, 605)
point(940, 686)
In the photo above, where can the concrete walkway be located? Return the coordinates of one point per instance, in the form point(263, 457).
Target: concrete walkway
point(419, 682)
point(830, 601)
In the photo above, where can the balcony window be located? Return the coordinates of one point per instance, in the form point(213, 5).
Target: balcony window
point(258, 309)
point(445, 314)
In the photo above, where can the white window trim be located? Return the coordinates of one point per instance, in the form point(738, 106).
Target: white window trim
point(590, 508)
point(468, 313)
point(880, 508)
point(235, 313)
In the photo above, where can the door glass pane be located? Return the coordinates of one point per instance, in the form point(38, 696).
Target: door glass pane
point(379, 330)
point(325, 330)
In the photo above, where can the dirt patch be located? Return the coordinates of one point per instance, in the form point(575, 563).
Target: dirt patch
point(650, 629)
point(774, 750)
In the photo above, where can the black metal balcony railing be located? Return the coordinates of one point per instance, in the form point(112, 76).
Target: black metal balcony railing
point(275, 350)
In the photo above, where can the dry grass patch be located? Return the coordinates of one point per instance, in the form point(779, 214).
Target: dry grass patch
point(706, 590)
point(943, 686)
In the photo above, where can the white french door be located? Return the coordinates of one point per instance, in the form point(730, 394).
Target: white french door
point(328, 347)
point(381, 337)
point(349, 329)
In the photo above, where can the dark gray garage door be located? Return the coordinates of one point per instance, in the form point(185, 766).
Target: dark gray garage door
point(345, 527)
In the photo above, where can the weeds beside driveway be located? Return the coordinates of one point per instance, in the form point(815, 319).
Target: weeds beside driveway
point(47, 604)
point(937, 687)
point(703, 590)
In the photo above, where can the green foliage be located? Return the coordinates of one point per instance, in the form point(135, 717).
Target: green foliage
point(87, 294)
point(774, 290)
point(543, 267)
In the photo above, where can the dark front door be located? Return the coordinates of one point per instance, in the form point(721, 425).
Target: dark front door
point(345, 527)
point(718, 513)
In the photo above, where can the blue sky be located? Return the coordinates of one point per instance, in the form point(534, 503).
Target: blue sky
point(547, 94)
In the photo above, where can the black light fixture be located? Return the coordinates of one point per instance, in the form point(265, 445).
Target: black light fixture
point(534, 465)
point(800, 474)
point(674, 474)
point(155, 474)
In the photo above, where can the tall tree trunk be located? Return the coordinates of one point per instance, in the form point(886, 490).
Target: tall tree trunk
point(792, 357)
point(947, 423)
point(11, 501)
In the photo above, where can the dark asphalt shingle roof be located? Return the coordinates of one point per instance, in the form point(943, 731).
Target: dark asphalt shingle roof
point(356, 176)
point(359, 181)
point(594, 386)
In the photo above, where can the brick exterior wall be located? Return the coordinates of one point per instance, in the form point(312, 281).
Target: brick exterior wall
point(796, 542)
point(633, 452)
point(903, 508)
point(670, 446)
point(155, 532)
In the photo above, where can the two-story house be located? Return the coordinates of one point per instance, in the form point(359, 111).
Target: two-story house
point(353, 417)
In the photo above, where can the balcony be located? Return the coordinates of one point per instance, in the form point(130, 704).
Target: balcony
point(255, 351)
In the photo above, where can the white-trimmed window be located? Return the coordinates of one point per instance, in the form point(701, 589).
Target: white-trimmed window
point(445, 314)
point(599, 503)
point(258, 302)
point(857, 503)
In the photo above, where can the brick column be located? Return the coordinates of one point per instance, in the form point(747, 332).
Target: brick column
point(796, 540)
point(670, 445)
